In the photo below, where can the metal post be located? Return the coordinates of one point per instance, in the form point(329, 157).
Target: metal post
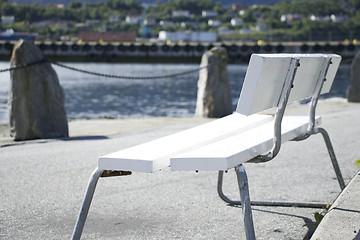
point(221, 193)
point(270, 203)
point(284, 97)
point(332, 156)
point(245, 200)
point(80, 222)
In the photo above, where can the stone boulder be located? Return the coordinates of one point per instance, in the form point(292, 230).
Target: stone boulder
point(353, 92)
point(214, 94)
point(36, 99)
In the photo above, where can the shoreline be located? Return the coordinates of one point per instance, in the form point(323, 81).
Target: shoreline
point(128, 124)
point(111, 127)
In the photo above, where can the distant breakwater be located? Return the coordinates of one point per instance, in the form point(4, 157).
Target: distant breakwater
point(239, 52)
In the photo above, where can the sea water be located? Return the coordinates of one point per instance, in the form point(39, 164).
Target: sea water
point(93, 96)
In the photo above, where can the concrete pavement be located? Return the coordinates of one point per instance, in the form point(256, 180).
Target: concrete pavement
point(43, 182)
point(343, 218)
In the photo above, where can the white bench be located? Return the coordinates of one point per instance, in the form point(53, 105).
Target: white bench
point(272, 80)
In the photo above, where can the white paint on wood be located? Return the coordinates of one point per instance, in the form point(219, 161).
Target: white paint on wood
point(263, 83)
point(266, 75)
point(239, 148)
point(155, 155)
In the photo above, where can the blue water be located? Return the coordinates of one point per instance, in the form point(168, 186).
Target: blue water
point(89, 96)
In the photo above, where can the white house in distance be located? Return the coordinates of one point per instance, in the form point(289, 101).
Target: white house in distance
point(261, 27)
point(150, 22)
point(93, 21)
point(188, 36)
point(236, 21)
point(214, 23)
point(114, 18)
point(289, 18)
point(208, 14)
point(320, 18)
point(225, 31)
point(245, 30)
point(181, 13)
point(166, 23)
point(332, 18)
point(133, 19)
point(7, 19)
point(339, 19)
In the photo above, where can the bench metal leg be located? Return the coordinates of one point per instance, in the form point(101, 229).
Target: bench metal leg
point(245, 199)
point(80, 222)
point(332, 156)
point(265, 202)
point(291, 203)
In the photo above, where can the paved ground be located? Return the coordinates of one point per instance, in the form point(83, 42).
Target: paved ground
point(343, 218)
point(43, 182)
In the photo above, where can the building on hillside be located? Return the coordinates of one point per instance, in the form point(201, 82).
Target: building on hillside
point(261, 27)
point(114, 18)
point(188, 36)
point(236, 21)
point(7, 19)
point(320, 18)
point(180, 13)
point(150, 22)
point(190, 24)
point(93, 22)
point(225, 31)
point(11, 35)
point(166, 23)
point(339, 18)
point(214, 23)
point(53, 23)
point(82, 27)
point(208, 14)
point(289, 18)
point(245, 30)
point(133, 19)
point(89, 36)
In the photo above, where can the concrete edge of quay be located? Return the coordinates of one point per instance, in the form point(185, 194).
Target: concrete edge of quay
point(343, 217)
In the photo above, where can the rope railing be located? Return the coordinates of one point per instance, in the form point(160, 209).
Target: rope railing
point(24, 66)
point(45, 60)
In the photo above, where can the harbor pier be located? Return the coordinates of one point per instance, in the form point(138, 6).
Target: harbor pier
point(239, 52)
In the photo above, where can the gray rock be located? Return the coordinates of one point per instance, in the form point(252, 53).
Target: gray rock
point(214, 94)
point(353, 93)
point(36, 99)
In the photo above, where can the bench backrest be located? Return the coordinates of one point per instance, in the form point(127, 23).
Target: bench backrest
point(267, 73)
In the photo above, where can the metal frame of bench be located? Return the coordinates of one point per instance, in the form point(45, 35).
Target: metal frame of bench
point(277, 142)
point(239, 168)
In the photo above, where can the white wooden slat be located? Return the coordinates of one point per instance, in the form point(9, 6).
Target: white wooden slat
point(267, 73)
point(229, 152)
point(333, 68)
point(263, 82)
point(307, 76)
point(155, 155)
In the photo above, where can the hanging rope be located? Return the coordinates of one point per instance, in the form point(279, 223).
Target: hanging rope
point(129, 77)
point(45, 60)
point(24, 66)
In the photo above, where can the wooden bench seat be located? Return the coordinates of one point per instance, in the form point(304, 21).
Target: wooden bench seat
point(247, 135)
point(155, 155)
point(238, 148)
point(202, 147)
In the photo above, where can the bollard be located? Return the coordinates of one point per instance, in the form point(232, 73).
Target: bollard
point(36, 100)
point(214, 95)
point(353, 92)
